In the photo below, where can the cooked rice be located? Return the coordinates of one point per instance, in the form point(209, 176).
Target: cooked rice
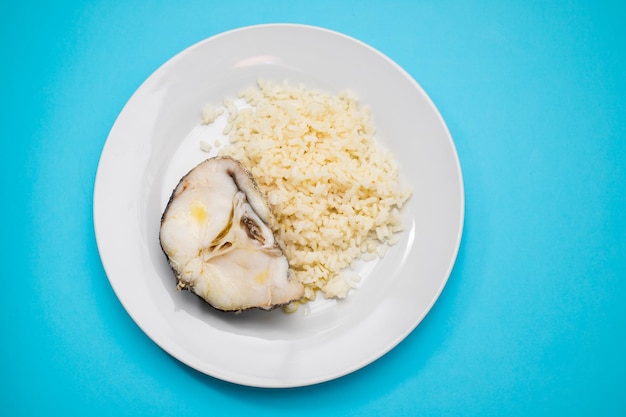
point(333, 189)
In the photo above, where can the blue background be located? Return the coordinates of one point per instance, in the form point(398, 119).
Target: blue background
point(533, 319)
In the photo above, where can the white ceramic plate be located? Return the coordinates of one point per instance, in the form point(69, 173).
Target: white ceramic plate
point(154, 141)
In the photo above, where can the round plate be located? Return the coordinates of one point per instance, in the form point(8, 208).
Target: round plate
point(154, 141)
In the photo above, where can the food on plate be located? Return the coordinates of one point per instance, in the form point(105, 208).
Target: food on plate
point(216, 235)
point(333, 189)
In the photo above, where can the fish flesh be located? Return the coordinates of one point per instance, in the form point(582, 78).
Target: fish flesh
point(216, 234)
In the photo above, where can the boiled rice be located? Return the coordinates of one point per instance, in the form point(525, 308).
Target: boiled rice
point(333, 189)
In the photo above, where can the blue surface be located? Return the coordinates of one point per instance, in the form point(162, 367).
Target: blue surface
point(533, 319)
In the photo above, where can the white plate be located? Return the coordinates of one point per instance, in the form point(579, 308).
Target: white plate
point(153, 142)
